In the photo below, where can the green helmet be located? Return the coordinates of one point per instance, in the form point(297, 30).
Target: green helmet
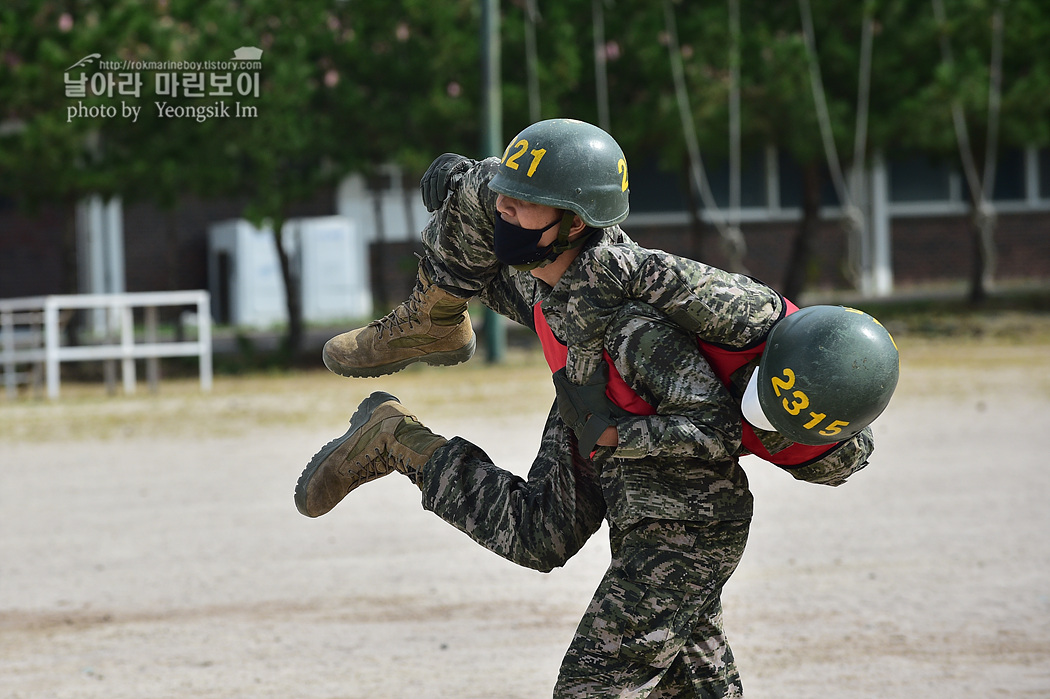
point(826, 373)
point(567, 164)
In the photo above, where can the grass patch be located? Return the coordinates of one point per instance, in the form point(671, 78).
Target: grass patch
point(285, 399)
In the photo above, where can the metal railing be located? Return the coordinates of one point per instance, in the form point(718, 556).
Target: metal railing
point(25, 346)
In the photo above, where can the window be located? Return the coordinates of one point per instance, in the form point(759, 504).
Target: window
point(752, 181)
point(1044, 173)
point(791, 184)
point(656, 190)
point(1009, 176)
point(918, 178)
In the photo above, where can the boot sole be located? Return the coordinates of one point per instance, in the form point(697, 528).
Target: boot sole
point(362, 415)
point(448, 358)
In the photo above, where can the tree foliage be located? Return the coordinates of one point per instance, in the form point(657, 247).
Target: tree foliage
point(352, 84)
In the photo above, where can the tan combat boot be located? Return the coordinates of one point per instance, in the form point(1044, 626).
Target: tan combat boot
point(383, 438)
point(431, 326)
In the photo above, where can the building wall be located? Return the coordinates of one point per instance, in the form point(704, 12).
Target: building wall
point(925, 249)
point(768, 250)
point(163, 250)
point(168, 250)
point(941, 249)
point(33, 258)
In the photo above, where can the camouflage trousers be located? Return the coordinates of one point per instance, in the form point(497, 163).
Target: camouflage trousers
point(654, 625)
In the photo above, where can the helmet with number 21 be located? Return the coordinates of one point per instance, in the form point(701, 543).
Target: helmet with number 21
point(567, 164)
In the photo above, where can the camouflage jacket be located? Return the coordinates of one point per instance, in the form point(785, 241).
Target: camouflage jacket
point(680, 463)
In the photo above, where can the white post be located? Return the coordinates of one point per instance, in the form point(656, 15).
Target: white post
point(882, 247)
point(92, 257)
point(51, 346)
point(113, 230)
point(127, 345)
point(204, 339)
point(7, 336)
point(1031, 175)
point(772, 179)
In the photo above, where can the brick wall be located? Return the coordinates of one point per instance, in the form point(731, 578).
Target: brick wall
point(941, 249)
point(168, 250)
point(393, 266)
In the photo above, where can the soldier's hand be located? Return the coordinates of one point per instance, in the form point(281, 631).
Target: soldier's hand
point(586, 409)
point(434, 185)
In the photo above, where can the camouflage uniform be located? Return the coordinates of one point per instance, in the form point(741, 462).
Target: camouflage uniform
point(720, 307)
point(673, 492)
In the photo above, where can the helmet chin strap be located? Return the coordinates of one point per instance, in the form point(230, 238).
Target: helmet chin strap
point(560, 245)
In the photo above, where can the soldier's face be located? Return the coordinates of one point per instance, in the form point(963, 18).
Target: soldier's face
point(529, 215)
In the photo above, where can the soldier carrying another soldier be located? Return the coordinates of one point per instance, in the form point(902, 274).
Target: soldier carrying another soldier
point(646, 431)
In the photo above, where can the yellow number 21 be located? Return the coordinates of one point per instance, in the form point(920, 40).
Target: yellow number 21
point(522, 147)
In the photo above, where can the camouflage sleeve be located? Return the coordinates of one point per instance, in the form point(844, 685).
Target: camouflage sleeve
point(513, 294)
point(843, 461)
point(597, 290)
point(695, 416)
point(720, 307)
point(457, 239)
point(458, 242)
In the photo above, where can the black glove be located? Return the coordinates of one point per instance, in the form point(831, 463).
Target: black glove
point(434, 185)
point(586, 409)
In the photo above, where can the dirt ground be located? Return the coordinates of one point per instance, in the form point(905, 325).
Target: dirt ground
point(149, 547)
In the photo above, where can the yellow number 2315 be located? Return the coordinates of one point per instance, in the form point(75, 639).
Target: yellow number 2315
point(797, 401)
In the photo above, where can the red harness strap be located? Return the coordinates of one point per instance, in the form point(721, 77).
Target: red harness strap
point(557, 355)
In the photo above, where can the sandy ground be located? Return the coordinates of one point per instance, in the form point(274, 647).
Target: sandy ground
point(149, 548)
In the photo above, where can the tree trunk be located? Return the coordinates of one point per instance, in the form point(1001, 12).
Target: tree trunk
point(799, 262)
point(171, 249)
point(696, 224)
point(70, 268)
point(293, 340)
point(982, 237)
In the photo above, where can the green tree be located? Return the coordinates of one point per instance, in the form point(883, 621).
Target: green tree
point(344, 86)
point(349, 85)
point(992, 84)
point(51, 152)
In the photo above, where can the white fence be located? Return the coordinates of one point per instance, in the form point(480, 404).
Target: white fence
point(21, 341)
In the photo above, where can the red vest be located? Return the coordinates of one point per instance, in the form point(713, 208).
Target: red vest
point(723, 361)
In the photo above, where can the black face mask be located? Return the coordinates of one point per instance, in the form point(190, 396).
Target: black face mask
point(517, 246)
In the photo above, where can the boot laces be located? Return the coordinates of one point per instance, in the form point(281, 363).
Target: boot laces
point(370, 467)
point(368, 464)
point(403, 316)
